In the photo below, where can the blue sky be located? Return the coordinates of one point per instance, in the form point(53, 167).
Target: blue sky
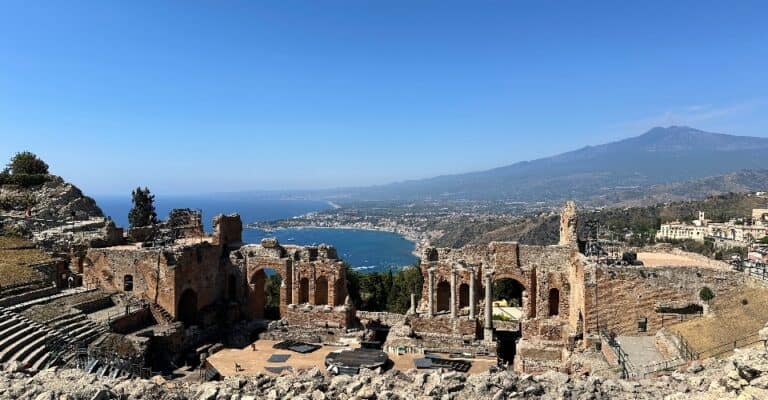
point(201, 96)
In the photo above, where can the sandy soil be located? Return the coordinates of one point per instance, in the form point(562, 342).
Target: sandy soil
point(254, 361)
point(653, 260)
point(730, 321)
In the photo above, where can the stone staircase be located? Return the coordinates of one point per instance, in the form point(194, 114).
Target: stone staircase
point(24, 341)
point(161, 315)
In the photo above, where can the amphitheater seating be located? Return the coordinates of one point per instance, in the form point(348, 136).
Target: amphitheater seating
point(28, 342)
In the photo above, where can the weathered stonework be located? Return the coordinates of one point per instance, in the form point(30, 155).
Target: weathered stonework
point(195, 273)
point(564, 297)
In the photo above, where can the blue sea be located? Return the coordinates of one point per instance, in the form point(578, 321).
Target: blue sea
point(364, 250)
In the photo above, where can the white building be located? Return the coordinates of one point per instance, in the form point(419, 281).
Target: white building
point(744, 232)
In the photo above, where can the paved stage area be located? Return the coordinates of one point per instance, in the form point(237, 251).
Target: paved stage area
point(256, 361)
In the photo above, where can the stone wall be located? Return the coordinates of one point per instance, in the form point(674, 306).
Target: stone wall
point(228, 230)
point(160, 275)
point(616, 297)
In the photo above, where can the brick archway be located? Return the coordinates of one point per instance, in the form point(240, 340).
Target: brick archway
point(463, 295)
point(443, 296)
point(321, 290)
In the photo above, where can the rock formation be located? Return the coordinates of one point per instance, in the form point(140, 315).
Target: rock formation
point(744, 375)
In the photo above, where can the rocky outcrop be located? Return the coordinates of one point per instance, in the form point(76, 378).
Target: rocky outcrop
point(51, 204)
point(744, 375)
point(56, 215)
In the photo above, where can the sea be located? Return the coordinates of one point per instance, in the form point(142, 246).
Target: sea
point(364, 250)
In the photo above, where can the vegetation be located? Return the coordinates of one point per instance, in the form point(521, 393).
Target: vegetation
point(25, 169)
point(143, 211)
point(501, 317)
point(27, 163)
point(706, 294)
point(764, 240)
point(384, 291)
point(272, 291)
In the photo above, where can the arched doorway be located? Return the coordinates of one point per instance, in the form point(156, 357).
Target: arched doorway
point(554, 302)
point(321, 290)
point(187, 309)
point(264, 299)
point(303, 290)
point(463, 295)
point(443, 296)
point(510, 290)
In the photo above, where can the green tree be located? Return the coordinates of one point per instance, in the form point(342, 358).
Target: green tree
point(272, 291)
point(706, 294)
point(27, 163)
point(764, 240)
point(406, 281)
point(143, 211)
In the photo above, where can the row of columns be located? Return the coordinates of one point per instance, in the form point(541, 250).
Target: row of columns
point(472, 299)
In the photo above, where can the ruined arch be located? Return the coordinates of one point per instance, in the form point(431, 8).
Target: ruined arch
point(463, 295)
point(303, 290)
point(186, 311)
point(321, 290)
point(554, 302)
point(509, 289)
point(443, 296)
point(264, 294)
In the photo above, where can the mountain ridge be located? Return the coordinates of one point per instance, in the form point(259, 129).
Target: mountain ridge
point(658, 156)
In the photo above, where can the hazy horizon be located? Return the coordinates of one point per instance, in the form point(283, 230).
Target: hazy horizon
point(209, 98)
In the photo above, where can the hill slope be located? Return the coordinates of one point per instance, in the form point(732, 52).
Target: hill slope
point(659, 156)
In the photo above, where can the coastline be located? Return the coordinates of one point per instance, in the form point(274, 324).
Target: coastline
point(418, 242)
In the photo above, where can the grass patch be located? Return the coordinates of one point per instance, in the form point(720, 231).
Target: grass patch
point(10, 242)
point(733, 320)
point(15, 261)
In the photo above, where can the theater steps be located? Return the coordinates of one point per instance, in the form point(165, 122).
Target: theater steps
point(28, 342)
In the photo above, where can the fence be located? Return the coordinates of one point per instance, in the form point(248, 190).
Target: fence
point(689, 353)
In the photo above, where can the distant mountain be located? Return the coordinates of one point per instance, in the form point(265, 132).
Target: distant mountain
point(660, 156)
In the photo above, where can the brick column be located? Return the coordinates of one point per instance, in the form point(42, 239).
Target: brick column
point(472, 299)
point(431, 291)
point(488, 329)
point(453, 292)
point(295, 284)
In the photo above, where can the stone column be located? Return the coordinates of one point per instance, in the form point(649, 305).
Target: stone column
point(431, 291)
point(295, 285)
point(412, 310)
point(472, 299)
point(453, 292)
point(488, 329)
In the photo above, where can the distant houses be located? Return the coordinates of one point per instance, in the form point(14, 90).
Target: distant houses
point(739, 231)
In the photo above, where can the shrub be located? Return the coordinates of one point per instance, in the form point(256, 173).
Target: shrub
point(28, 163)
point(706, 294)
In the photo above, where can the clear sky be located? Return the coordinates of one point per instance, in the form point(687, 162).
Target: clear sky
point(203, 96)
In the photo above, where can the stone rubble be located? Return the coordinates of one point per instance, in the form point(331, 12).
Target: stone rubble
point(744, 376)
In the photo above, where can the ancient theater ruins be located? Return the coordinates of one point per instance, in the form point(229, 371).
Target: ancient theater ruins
point(171, 296)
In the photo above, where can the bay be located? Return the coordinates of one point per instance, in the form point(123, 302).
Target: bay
point(364, 250)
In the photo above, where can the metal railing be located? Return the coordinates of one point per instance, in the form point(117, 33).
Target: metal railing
point(688, 352)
